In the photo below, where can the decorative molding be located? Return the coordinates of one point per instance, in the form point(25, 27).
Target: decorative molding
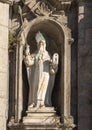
point(68, 123)
point(41, 8)
point(7, 1)
point(47, 7)
point(61, 4)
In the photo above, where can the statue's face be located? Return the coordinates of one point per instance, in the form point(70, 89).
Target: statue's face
point(41, 46)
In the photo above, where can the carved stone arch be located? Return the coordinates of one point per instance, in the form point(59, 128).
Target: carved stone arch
point(62, 36)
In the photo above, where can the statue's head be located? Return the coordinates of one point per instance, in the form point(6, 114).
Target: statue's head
point(41, 42)
point(41, 45)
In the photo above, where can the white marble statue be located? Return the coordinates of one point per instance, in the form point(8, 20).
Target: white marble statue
point(41, 69)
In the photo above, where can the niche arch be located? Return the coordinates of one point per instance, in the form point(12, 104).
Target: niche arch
point(61, 36)
point(55, 39)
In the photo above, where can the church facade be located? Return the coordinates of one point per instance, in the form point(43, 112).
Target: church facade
point(66, 28)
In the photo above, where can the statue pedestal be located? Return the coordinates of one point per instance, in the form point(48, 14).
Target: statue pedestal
point(41, 118)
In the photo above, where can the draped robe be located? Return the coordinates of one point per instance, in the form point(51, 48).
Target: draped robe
point(41, 82)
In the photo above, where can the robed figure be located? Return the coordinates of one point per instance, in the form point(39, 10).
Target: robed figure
point(41, 70)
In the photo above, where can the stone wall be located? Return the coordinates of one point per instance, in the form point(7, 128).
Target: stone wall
point(4, 18)
point(85, 66)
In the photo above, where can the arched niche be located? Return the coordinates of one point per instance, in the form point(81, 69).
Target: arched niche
point(60, 37)
point(55, 40)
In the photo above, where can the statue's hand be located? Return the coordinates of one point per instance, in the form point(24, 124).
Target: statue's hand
point(54, 63)
point(55, 59)
point(29, 60)
point(27, 50)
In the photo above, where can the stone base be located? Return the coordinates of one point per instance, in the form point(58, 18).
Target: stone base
point(41, 116)
point(34, 127)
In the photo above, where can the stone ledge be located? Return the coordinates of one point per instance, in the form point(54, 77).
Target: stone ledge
point(41, 116)
point(7, 1)
point(84, 1)
point(35, 127)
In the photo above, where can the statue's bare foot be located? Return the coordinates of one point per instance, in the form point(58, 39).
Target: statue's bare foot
point(40, 104)
point(43, 105)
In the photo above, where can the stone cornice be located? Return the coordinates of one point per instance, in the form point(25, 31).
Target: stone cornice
point(84, 0)
point(61, 4)
point(7, 1)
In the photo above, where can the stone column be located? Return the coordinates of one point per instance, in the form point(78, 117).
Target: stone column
point(19, 87)
point(67, 118)
point(85, 65)
point(4, 19)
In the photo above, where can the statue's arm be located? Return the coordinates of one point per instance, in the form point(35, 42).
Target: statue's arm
point(54, 63)
point(28, 58)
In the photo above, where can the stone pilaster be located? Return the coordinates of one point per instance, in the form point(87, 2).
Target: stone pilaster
point(4, 19)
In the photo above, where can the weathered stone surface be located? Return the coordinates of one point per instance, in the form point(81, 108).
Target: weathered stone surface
point(3, 107)
point(2, 123)
point(85, 123)
point(3, 86)
point(6, 1)
point(3, 60)
point(3, 38)
point(84, 66)
point(41, 116)
point(4, 16)
point(88, 35)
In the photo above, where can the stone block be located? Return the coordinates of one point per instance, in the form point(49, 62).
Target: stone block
point(88, 35)
point(84, 123)
point(81, 34)
point(81, 41)
point(88, 22)
point(88, 8)
point(85, 50)
point(3, 60)
point(85, 89)
point(85, 62)
point(2, 93)
point(41, 116)
point(3, 110)
point(3, 84)
point(85, 78)
point(85, 110)
point(2, 123)
point(4, 37)
point(4, 15)
point(81, 9)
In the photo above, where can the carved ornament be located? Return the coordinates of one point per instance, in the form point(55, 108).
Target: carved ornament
point(41, 8)
point(47, 7)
